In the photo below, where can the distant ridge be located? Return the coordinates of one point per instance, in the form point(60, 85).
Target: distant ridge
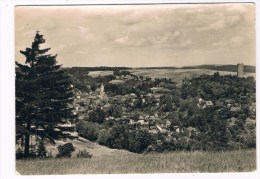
point(100, 68)
point(230, 68)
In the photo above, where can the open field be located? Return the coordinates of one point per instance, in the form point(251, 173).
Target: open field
point(176, 75)
point(174, 162)
point(101, 73)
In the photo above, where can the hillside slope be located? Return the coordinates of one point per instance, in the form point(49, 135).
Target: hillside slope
point(84, 144)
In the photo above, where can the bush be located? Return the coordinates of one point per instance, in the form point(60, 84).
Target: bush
point(195, 145)
point(88, 130)
point(41, 150)
point(250, 140)
point(104, 137)
point(97, 116)
point(139, 141)
point(84, 154)
point(19, 153)
point(65, 150)
point(49, 154)
point(119, 137)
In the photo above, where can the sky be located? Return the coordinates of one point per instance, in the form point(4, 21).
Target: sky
point(141, 35)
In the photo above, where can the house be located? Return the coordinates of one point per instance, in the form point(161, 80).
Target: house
point(132, 95)
point(111, 118)
point(142, 122)
point(231, 121)
point(81, 117)
point(161, 130)
point(190, 130)
point(84, 95)
point(71, 135)
point(152, 117)
point(106, 107)
point(92, 97)
point(253, 107)
point(234, 110)
point(153, 89)
point(125, 120)
point(160, 90)
point(157, 96)
point(141, 117)
point(149, 94)
point(236, 105)
point(168, 124)
point(117, 119)
point(131, 121)
point(178, 130)
point(66, 126)
point(229, 101)
point(153, 130)
point(208, 103)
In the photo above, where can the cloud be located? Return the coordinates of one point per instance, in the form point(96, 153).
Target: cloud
point(122, 40)
point(125, 35)
point(149, 40)
point(236, 41)
point(83, 29)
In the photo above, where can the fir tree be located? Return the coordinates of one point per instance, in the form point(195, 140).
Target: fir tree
point(43, 93)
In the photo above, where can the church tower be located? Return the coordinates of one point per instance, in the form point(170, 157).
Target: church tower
point(102, 89)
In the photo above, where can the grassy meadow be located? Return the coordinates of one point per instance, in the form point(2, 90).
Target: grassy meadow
point(173, 162)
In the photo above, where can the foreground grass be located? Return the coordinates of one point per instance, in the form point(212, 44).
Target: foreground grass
point(174, 162)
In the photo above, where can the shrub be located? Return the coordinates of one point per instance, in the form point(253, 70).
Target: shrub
point(84, 154)
point(41, 150)
point(139, 141)
point(119, 137)
point(88, 130)
point(19, 153)
point(104, 137)
point(250, 139)
point(49, 154)
point(65, 150)
point(97, 116)
point(194, 145)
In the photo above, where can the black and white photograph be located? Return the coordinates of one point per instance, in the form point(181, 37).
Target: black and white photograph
point(135, 88)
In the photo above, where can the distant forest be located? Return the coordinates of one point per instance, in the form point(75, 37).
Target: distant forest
point(101, 68)
point(230, 68)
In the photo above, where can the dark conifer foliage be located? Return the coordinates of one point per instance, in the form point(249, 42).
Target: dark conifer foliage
point(43, 92)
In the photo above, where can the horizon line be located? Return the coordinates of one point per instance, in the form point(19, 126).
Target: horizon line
point(155, 66)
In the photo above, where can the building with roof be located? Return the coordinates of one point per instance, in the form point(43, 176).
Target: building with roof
point(208, 103)
point(240, 69)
